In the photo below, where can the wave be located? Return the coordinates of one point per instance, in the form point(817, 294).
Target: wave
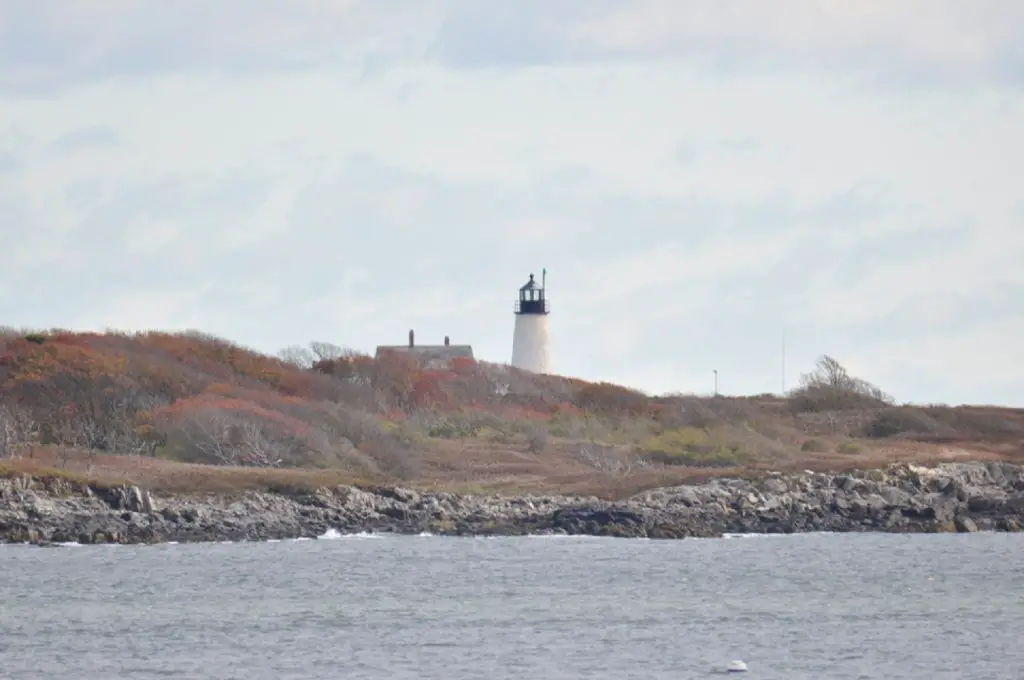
point(334, 535)
point(781, 535)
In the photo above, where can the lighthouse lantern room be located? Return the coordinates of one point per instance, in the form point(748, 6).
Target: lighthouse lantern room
point(530, 351)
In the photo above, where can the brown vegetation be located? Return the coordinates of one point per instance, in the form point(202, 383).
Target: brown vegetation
point(189, 412)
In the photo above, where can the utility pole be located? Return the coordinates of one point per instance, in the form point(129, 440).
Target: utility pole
point(716, 382)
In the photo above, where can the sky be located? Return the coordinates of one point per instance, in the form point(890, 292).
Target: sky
point(711, 186)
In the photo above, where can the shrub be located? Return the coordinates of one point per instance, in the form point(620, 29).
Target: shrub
point(979, 421)
point(537, 440)
point(612, 399)
point(848, 448)
point(896, 421)
point(679, 410)
point(830, 388)
point(701, 456)
point(691, 447)
point(679, 440)
point(572, 426)
point(814, 446)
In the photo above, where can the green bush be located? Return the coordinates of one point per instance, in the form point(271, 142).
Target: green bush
point(814, 446)
point(691, 447)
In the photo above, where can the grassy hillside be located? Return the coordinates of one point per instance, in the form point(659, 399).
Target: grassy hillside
point(192, 412)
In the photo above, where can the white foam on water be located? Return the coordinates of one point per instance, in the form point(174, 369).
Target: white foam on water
point(551, 536)
point(780, 535)
point(755, 535)
point(334, 535)
point(586, 537)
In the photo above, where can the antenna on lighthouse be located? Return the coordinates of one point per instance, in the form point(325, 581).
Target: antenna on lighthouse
point(530, 350)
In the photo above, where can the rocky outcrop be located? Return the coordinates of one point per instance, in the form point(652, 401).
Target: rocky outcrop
point(961, 497)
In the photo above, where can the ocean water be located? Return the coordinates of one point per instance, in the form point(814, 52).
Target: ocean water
point(808, 606)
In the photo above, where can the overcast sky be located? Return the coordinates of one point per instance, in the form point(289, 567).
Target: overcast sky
point(695, 176)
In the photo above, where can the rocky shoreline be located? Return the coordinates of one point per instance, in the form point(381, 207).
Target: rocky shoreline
point(955, 497)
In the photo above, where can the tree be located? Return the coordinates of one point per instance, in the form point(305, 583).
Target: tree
point(18, 431)
point(325, 351)
point(300, 357)
point(207, 433)
point(231, 431)
point(829, 387)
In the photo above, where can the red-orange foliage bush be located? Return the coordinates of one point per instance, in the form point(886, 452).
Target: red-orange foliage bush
point(200, 398)
point(208, 399)
point(428, 389)
point(612, 399)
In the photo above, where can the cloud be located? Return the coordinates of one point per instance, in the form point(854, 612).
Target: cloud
point(921, 40)
point(98, 39)
point(94, 136)
point(476, 34)
point(148, 308)
point(9, 164)
point(916, 42)
point(978, 361)
point(685, 217)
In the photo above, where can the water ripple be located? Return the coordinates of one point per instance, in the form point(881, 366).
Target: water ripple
point(812, 606)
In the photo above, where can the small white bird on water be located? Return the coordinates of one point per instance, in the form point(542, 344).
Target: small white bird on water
point(736, 667)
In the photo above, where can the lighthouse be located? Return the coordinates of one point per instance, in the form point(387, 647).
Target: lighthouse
point(530, 340)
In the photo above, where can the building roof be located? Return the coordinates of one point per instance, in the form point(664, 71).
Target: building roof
point(531, 285)
point(429, 352)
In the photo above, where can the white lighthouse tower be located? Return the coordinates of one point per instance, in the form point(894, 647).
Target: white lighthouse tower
point(530, 342)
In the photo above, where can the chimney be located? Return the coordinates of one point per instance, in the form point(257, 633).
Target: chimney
point(412, 339)
point(446, 341)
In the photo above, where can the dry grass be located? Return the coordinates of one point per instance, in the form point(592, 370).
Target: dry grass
point(172, 477)
point(483, 467)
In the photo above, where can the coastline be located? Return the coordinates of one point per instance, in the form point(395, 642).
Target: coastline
point(951, 497)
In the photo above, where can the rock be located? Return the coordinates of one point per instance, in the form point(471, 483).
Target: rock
point(943, 507)
point(775, 485)
point(953, 497)
point(986, 503)
point(138, 500)
point(687, 496)
point(966, 525)
point(1010, 524)
point(893, 496)
point(846, 483)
